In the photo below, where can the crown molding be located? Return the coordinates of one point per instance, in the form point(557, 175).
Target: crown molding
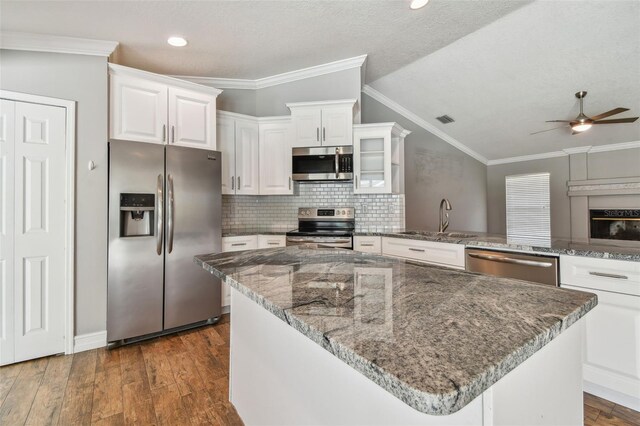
point(274, 80)
point(567, 151)
point(314, 104)
point(56, 44)
point(370, 91)
point(115, 69)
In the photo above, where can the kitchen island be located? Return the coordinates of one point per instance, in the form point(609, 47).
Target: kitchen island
point(330, 336)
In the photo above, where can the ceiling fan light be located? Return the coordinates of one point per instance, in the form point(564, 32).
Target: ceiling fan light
point(417, 4)
point(581, 127)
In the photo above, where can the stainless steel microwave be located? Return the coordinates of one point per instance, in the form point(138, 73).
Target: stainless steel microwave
point(322, 163)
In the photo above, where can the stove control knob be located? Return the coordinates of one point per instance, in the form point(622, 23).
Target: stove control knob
point(343, 212)
point(307, 212)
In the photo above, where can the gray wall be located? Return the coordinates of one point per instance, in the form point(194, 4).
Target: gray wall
point(82, 79)
point(558, 168)
point(435, 170)
point(271, 101)
point(600, 165)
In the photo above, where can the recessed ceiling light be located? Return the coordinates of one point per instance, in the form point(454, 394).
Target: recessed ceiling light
point(177, 41)
point(417, 4)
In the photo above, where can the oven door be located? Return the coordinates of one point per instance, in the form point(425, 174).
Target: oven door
point(322, 163)
point(321, 242)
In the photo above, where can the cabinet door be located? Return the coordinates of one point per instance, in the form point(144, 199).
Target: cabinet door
point(226, 140)
point(271, 241)
point(247, 158)
point(371, 162)
point(337, 126)
point(367, 244)
point(612, 344)
point(307, 123)
point(138, 110)
point(275, 159)
point(192, 118)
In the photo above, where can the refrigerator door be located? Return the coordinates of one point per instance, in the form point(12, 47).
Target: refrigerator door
point(193, 226)
point(136, 257)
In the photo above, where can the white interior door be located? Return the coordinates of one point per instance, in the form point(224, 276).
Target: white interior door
point(38, 232)
point(7, 210)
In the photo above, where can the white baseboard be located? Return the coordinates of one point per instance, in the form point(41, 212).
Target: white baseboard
point(611, 395)
point(86, 342)
point(226, 309)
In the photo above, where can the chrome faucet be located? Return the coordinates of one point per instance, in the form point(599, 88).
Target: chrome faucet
point(444, 217)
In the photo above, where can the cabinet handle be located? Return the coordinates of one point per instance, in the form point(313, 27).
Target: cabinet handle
point(415, 249)
point(318, 134)
point(366, 244)
point(238, 244)
point(289, 182)
point(164, 133)
point(603, 274)
point(238, 183)
point(233, 182)
point(356, 181)
point(173, 134)
point(324, 135)
point(271, 243)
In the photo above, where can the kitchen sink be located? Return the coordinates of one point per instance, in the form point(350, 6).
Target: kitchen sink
point(440, 234)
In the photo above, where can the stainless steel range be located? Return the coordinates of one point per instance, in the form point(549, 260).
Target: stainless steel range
point(325, 227)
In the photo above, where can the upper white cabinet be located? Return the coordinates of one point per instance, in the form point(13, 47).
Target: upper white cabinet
point(328, 123)
point(147, 107)
point(238, 143)
point(378, 158)
point(275, 156)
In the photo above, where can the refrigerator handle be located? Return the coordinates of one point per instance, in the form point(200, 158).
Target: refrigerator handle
point(159, 222)
point(170, 214)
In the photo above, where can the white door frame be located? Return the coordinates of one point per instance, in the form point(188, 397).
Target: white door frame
point(70, 219)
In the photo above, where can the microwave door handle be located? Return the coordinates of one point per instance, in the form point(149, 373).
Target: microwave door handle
point(337, 162)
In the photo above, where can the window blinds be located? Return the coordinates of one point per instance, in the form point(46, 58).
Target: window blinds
point(528, 209)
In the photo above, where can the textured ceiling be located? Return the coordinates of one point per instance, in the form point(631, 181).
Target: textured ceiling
point(254, 39)
point(502, 82)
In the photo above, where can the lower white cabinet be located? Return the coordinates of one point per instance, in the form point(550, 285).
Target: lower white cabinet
point(271, 241)
point(612, 333)
point(367, 244)
point(443, 254)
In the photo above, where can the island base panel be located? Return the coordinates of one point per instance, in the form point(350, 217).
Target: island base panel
point(279, 376)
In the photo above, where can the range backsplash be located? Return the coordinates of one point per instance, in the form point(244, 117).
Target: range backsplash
point(383, 212)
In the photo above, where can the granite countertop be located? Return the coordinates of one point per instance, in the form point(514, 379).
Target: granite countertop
point(557, 246)
point(238, 232)
point(434, 337)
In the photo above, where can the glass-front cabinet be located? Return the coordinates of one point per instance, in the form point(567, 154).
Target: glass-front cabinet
point(378, 158)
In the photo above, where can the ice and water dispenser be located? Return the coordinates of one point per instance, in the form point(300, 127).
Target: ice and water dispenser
point(137, 215)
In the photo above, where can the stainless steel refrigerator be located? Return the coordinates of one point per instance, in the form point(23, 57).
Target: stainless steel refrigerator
point(164, 208)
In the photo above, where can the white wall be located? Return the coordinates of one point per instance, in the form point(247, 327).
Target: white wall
point(82, 79)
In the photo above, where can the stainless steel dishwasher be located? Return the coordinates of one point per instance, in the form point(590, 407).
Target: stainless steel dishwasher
point(528, 267)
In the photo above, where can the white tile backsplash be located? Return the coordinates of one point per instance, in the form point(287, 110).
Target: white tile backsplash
point(381, 212)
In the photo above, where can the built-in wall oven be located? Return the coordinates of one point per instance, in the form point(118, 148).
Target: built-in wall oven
point(324, 227)
point(615, 225)
point(322, 163)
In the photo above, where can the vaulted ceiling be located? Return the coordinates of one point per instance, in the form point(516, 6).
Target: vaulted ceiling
point(500, 68)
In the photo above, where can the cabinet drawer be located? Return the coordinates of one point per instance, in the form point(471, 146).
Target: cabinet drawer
point(601, 274)
point(271, 241)
point(445, 254)
point(368, 244)
point(245, 242)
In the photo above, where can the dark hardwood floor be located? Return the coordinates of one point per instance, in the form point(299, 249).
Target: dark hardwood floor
point(174, 380)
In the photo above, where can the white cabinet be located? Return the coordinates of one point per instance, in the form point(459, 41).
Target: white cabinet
point(378, 158)
point(328, 123)
point(244, 242)
point(367, 244)
point(238, 143)
point(612, 333)
point(271, 241)
point(147, 107)
point(275, 156)
point(444, 254)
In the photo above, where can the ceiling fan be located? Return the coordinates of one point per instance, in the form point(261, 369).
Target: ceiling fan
point(583, 123)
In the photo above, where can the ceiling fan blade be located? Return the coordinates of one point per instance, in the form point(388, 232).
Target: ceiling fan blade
point(558, 121)
point(548, 130)
point(609, 113)
point(616, 120)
